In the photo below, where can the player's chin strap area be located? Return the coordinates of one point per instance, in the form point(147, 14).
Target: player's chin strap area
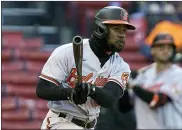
point(100, 47)
point(85, 124)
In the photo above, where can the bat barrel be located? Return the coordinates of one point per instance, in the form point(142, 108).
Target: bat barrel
point(77, 40)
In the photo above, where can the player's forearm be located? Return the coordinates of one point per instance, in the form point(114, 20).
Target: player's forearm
point(49, 91)
point(107, 96)
point(103, 97)
point(124, 103)
point(153, 99)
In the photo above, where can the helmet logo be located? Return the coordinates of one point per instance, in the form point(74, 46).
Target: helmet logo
point(124, 15)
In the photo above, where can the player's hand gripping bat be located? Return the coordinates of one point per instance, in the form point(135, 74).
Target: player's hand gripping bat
point(78, 56)
point(82, 89)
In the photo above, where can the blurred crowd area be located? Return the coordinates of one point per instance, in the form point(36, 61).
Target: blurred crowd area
point(57, 22)
point(32, 30)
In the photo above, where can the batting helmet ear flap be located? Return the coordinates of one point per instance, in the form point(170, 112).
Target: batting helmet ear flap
point(100, 30)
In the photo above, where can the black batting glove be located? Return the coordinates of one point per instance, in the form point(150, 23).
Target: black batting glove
point(75, 98)
point(81, 92)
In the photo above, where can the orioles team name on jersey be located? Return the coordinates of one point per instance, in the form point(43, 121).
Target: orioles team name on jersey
point(100, 81)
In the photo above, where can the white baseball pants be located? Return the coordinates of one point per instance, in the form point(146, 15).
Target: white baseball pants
point(52, 121)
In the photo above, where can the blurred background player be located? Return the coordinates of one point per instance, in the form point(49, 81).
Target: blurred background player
point(158, 88)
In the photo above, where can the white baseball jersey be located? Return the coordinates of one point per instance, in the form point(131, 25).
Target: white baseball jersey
point(168, 82)
point(60, 68)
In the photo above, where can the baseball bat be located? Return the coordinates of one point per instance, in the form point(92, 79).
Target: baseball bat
point(78, 56)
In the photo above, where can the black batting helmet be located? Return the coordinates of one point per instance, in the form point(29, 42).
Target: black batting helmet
point(110, 15)
point(162, 39)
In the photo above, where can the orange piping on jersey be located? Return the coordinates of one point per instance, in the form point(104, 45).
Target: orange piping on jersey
point(50, 79)
point(154, 100)
point(116, 81)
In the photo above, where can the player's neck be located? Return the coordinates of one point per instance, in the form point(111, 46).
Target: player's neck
point(99, 47)
point(161, 67)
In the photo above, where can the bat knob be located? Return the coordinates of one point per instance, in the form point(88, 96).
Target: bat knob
point(77, 40)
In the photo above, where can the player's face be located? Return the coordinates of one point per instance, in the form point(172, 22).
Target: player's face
point(162, 53)
point(116, 37)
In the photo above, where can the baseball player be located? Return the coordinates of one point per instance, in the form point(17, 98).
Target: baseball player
point(104, 74)
point(158, 88)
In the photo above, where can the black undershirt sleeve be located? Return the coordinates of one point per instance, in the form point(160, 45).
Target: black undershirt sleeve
point(124, 103)
point(105, 97)
point(108, 95)
point(49, 91)
point(147, 96)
